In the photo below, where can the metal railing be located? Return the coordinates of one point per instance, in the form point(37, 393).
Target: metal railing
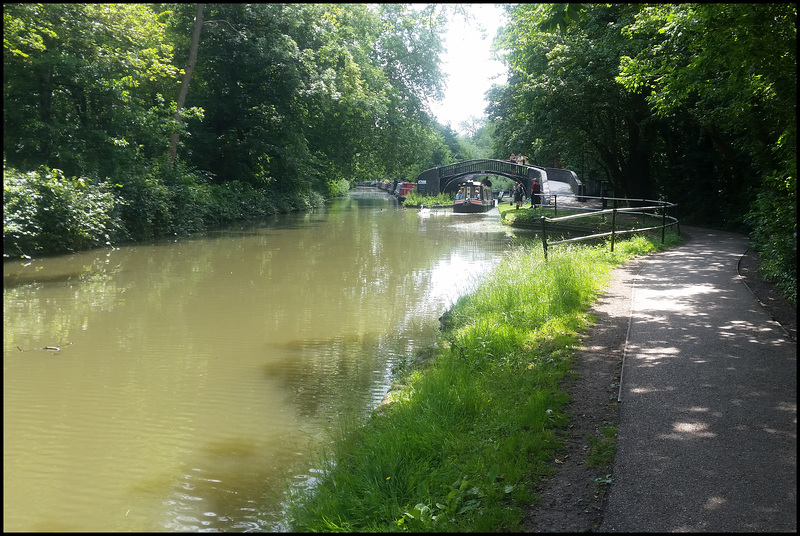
point(648, 209)
point(483, 164)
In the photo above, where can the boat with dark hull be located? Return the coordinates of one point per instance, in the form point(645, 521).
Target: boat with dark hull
point(474, 197)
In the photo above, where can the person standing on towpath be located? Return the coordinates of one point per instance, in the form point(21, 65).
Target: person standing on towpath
point(535, 190)
point(519, 194)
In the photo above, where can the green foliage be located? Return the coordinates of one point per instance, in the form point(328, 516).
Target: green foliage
point(78, 85)
point(288, 104)
point(478, 141)
point(562, 106)
point(164, 200)
point(316, 93)
point(338, 188)
point(175, 200)
point(414, 198)
point(774, 236)
point(236, 201)
point(738, 57)
point(733, 72)
point(46, 212)
point(685, 101)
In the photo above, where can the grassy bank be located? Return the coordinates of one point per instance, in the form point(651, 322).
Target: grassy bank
point(468, 432)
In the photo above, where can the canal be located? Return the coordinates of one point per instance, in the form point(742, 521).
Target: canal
point(184, 385)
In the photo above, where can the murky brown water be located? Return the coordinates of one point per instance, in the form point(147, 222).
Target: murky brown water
point(195, 379)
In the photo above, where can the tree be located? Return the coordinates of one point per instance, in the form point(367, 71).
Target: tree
point(733, 71)
point(297, 96)
point(695, 103)
point(562, 102)
point(297, 101)
point(187, 76)
point(79, 82)
point(732, 74)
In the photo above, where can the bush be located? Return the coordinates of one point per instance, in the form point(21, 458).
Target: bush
point(164, 200)
point(45, 212)
point(414, 198)
point(774, 234)
point(338, 188)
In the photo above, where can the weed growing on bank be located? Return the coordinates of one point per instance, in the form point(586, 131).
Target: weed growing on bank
point(466, 436)
point(415, 199)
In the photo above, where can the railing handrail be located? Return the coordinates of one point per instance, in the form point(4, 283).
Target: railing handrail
point(663, 205)
point(627, 210)
point(484, 164)
point(658, 202)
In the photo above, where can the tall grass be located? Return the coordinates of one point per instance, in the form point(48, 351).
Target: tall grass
point(467, 435)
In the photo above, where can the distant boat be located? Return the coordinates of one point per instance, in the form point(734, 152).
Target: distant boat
point(474, 196)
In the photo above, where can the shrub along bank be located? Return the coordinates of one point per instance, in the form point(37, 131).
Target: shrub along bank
point(466, 435)
point(46, 212)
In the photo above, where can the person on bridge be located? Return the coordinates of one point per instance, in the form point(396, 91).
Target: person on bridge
point(512, 158)
point(535, 191)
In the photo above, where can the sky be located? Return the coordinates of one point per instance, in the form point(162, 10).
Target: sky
point(467, 63)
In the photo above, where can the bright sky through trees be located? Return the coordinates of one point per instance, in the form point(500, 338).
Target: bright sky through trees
point(467, 62)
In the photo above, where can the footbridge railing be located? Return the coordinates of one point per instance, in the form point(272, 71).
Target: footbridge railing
point(501, 167)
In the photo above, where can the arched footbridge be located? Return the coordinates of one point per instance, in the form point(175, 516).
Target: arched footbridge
point(445, 179)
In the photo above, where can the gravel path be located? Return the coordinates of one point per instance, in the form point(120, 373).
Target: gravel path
point(708, 431)
point(707, 420)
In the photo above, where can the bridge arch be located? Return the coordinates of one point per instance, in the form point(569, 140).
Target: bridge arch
point(446, 178)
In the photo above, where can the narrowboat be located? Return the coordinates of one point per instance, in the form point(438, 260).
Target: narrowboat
point(472, 197)
point(403, 189)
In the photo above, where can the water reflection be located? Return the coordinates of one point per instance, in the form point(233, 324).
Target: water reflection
point(203, 373)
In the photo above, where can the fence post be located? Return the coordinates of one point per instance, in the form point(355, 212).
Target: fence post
point(613, 224)
point(644, 218)
point(544, 238)
point(663, 221)
point(555, 206)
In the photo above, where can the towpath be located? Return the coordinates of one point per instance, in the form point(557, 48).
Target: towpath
point(707, 438)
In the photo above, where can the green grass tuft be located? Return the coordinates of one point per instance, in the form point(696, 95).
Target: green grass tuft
point(603, 448)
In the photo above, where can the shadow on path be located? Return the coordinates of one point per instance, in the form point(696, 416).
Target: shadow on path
point(708, 417)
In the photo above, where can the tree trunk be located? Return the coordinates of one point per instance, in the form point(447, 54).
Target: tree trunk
point(187, 76)
point(637, 166)
point(46, 107)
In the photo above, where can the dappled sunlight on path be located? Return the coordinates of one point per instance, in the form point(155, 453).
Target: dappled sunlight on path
point(707, 436)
